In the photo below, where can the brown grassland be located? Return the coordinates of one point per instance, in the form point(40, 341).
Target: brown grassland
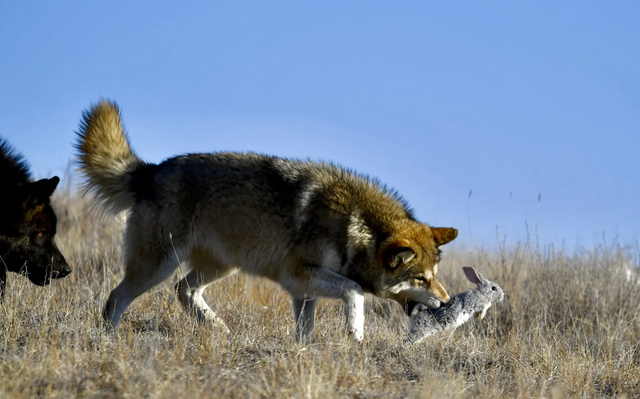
point(569, 326)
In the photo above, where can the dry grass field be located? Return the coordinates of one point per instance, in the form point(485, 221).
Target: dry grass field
point(569, 327)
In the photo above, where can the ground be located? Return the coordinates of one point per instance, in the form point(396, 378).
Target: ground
point(569, 326)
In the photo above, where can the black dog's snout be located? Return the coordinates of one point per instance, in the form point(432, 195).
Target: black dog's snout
point(65, 271)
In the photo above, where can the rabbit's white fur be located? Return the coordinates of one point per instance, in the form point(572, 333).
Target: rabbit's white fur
point(473, 302)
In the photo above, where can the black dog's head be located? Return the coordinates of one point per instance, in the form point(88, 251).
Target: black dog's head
point(27, 231)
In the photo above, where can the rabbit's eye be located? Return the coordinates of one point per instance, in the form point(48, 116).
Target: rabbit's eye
point(493, 288)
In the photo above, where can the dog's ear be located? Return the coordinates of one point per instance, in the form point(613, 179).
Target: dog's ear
point(53, 183)
point(443, 235)
point(397, 252)
point(39, 191)
point(45, 187)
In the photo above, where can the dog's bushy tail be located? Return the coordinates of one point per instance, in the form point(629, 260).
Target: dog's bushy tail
point(106, 158)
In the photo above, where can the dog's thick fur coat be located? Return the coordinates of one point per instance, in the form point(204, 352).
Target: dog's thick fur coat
point(317, 229)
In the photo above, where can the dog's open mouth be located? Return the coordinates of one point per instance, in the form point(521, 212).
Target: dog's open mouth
point(431, 303)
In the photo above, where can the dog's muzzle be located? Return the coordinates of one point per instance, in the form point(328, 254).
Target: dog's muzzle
point(64, 272)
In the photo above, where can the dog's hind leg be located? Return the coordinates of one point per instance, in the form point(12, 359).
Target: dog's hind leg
point(304, 312)
point(140, 276)
point(205, 270)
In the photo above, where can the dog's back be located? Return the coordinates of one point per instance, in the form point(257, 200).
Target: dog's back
point(246, 208)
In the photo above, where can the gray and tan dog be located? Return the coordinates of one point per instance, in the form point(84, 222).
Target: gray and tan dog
point(317, 229)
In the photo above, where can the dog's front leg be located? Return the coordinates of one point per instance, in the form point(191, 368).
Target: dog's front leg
point(354, 311)
point(322, 282)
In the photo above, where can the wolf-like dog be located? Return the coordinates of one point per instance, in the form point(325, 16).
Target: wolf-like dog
point(27, 223)
point(317, 229)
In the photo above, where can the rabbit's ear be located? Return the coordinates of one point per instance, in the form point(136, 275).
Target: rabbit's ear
point(473, 275)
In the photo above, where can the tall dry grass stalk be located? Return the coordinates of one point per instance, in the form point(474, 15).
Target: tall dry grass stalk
point(569, 326)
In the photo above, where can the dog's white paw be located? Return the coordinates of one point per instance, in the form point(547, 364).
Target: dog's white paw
point(356, 335)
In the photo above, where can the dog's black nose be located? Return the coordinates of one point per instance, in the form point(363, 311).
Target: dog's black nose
point(64, 271)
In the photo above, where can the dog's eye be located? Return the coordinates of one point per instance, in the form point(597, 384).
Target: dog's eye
point(421, 280)
point(39, 234)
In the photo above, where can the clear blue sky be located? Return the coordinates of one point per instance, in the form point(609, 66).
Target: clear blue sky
point(508, 99)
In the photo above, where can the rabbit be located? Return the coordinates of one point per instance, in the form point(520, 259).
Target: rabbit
point(426, 321)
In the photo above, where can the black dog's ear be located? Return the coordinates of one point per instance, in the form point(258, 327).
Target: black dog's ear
point(39, 191)
point(53, 183)
point(45, 187)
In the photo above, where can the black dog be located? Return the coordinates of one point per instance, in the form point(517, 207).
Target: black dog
point(27, 223)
